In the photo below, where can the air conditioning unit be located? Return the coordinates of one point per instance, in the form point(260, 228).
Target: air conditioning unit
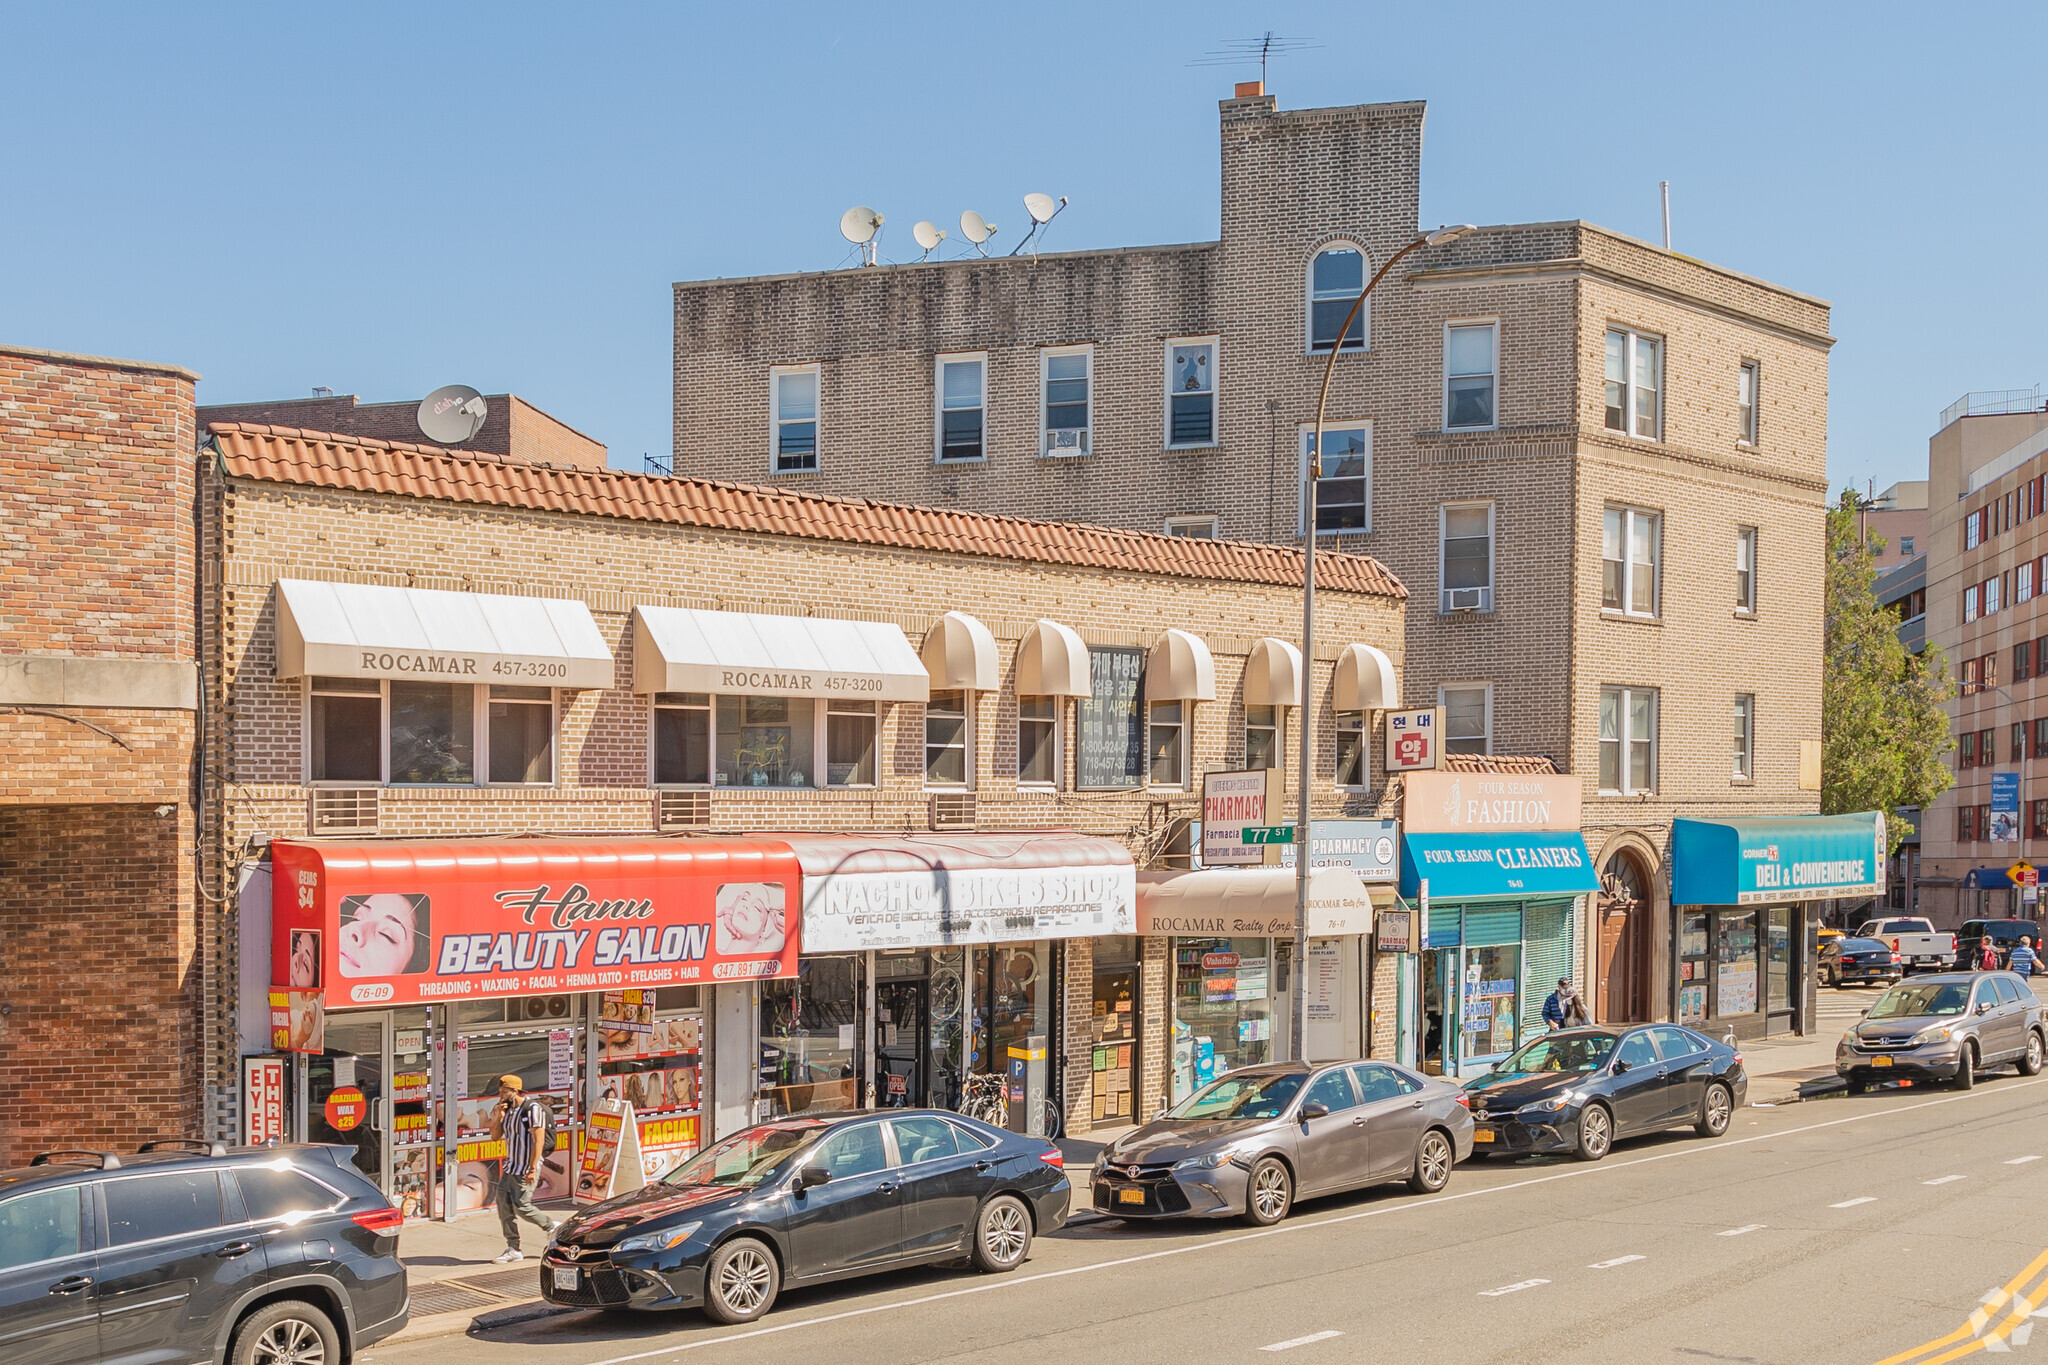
point(1067, 441)
point(1466, 599)
point(678, 811)
point(952, 810)
point(342, 810)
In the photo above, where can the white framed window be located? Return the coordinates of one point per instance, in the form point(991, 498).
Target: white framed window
point(1746, 380)
point(1631, 541)
point(344, 731)
point(1970, 603)
point(1745, 570)
point(1354, 764)
point(850, 734)
point(1066, 379)
point(1265, 736)
point(2023, 583)
point(1471, 375)
point(1468, 717)
point(1190, 392)
point(682, 740)
point(1038, 742)
point(1335, 277)
point(428, 734)
point(793, 414)
point(1635, 383)
point(1166, 740)
point(960, 408)
point(1194, 528)
point(1745, 734)
point(520, 732)
point(1344, 494)
point(1628, 740)
point(765, 741)
point(1905, 547)
point(1992, 599)
point(1464, 563)
point(946, 740)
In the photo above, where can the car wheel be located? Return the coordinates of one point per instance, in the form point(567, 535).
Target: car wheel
point(1858, 1086)
point(1717, 1109)
point(2030, 1060)
point(1269, 1193)
point(741, 1282)
point(291, 1332)
point(1966, 1069)
point(1002, 1234)
point(1434, 1157)
point(1596, 1133)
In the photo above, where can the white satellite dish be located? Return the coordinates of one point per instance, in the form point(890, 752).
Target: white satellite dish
point(1041, 207)
point(858, 224)
point(928, 236)
point(976, 229)
point(452, 414)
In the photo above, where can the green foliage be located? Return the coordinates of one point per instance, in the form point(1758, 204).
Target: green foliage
point(1884, 734)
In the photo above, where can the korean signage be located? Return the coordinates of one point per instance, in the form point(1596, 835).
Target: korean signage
point(262, 1100)
point(1233, 803)
point(932, 908)
point(406, 924)
point(1110, 749)
point(1413, 738)
point(1488, 803)
point(1370, 848)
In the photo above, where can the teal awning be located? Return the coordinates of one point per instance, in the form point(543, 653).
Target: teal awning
point(1798, 858)
point(1515, 866)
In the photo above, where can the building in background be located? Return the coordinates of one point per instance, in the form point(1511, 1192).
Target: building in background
point(512, 427)
point(1895, 523)
point(1903, 588)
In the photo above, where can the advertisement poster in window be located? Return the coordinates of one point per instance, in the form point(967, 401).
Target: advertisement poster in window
point(1111, 743)
point(1692, 1004)
point(1735, 988)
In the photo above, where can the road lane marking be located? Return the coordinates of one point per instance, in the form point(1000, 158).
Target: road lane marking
point(2021, 1309)
point(1308, 1340)
point(1510, 1288)
point(1014, 1281)
point(1609, 1265)
point(1737, 1232)
point(1941, 1180)
point(2022, 1160)
point(1852, 1203)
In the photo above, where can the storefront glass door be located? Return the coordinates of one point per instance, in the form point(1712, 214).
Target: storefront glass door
point(1439, 985)
point(1225, 1003)
point(1488, 1002)
point(357, 1058)
point(1114, 1045)
point(1012, 1027)
point(902, 1041)
point(1778, 924)
point(812, 1052)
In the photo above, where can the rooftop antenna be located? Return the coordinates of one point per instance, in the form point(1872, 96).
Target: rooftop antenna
point(1664, 189)
point(859, 225)
point(976, 229)
point(1262, 49)
point(452, 414)
point(1043, 210)
point(928, 237)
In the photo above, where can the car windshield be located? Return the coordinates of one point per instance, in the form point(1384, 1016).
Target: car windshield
point(1561, 1052)
point(1261, 1095)
point(1906, 1002)
point(1864, 945)
point(743, 1160)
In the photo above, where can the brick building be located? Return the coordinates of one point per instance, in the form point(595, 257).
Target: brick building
point(104, 953)
point(1599, 465)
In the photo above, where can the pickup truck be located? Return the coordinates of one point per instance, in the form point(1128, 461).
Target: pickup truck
point(1913, 941)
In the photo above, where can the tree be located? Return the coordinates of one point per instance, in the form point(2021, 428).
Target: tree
point(1884, 732)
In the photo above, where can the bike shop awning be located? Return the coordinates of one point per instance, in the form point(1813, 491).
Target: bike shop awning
point(1257, 902)
point(1798, 858)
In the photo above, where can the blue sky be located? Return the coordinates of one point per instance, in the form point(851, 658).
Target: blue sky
point(385, 199)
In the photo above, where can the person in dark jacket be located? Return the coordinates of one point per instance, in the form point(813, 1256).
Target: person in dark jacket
point(1564, 1009)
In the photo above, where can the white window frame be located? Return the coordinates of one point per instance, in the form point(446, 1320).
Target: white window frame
point(710, 709)
point(483, 729)
point(1624, 695)
point(1308, 300)
point(823, 742)
point(383, 695)
point(1492, 324)
point(479, 739)
point(1186, 726)
point(1215, 345)
point(1745, 539)
point(1994, 599)
point(1970, 604)
point(968, 708)
point(1303, 435)
point(1195, 528)
point(776, 374)
point(1443, 692)
point(1628, 605)
point(939, 363)
point(1444, 602)
point(1365, 741)
point(1628, 386)
point(1750, 372)
point(1059, 750)
point(1744, 765)
point(1045, 355)
point(1279, 728)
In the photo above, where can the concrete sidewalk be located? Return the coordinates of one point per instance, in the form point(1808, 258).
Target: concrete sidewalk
point(456, 1283)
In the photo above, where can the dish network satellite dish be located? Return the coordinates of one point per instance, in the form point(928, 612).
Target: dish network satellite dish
point(928, 237)
point(452, 414)
point(859, 225)
point(976, 229)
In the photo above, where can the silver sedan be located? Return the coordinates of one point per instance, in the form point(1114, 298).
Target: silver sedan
point(1251, 1143)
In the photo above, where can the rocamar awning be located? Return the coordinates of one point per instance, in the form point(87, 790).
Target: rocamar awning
point(1798, 858)
point(678, 649)
point(361, 630)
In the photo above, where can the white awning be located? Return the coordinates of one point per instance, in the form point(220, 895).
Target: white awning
point(1272, 674)
point(1052, 662)
point(677, 649)
point(1179, 669)
point(959, 652)
point(358, 630)
point(1257, 902)
point(1365, 680)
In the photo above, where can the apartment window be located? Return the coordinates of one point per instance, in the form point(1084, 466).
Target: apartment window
point(1745, 734)
point(522, 734)
point(1973, 529)
point(1966, 749)
point(1336, 277)
point(347, 730)
point(1064, 379)
point(1970, 603)
point(1344, 493)
point(2038, 828)
point(1471, 372)
point(1263, 738)
point(1190, 393)
point(1906, 547)
point(1194, 528)
point(1966, 824)
point(765, 742)
point(1167, 743)
point(1468, 717)
point(1628, 740)
point(945, 740)
point(850, 728)
point(963, 400)
point(793, 397)
point(433, 733)
point(1465, 557)
point(1991, 596)
point(2017, 742)
point(1635, 377)
point(1745, 402)
point(682, 739)
point(1038, 741)
point(1745, 569)
point(2023, 583)
point(1630, 542)
point(1354, 768)
point(2040, 735)
point(2023, 661)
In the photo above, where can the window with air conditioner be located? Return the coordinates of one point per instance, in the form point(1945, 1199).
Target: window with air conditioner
point(1190, 393)
point(793, 405)
point(962, 406)
point(1468, 717)
point(1465, 557)
point(1065, 379)
point(1344, 493)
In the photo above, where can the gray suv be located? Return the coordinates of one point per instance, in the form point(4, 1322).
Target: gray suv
point(1947, 1027)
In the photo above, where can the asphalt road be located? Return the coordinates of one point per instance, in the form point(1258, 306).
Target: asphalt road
point(1851, 1230)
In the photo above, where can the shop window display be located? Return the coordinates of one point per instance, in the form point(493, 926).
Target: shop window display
point(651, 1057)
point(765, 742)
point(539, 1057)
point(1735, 963)
point(1223, 1008)
point(1692, 970)
point(1488, 1001)
point(811, 1048)
point(1014, 1020)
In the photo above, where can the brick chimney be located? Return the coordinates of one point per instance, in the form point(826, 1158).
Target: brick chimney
point(1247, 90)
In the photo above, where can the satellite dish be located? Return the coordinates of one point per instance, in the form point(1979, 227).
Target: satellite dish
point(927, 236)
point(452, 414)
point(858, 224)
point(976, 229)
point(1040, 207)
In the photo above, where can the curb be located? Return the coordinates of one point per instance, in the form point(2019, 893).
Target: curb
point(460, 1323)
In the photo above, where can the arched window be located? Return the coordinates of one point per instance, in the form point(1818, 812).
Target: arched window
point(1334, 279)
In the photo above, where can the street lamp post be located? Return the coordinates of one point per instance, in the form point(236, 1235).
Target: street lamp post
point(1298, 1013)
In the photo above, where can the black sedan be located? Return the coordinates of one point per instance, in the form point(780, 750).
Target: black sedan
point(805, 1200)
point(1858, 961)
point(1577, 1090)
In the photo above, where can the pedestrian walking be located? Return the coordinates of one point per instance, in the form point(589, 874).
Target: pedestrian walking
point(521, 1121)
point(2024, 959)
point(1987, 955)
point(1563, 1008)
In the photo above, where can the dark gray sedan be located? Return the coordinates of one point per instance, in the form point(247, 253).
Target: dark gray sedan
point(1250, 1143)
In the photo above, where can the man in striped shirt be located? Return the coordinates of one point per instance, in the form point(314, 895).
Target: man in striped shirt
point(521, 1121)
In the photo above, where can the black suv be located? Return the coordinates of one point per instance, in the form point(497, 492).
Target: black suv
point(189, 1251)
point(2005, 935)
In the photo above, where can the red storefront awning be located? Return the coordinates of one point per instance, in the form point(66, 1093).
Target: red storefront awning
point(438, 920)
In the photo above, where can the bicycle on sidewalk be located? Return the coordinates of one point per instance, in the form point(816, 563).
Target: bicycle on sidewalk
point(986, 1096)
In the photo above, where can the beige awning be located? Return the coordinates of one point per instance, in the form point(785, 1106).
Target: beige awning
point(361, 630)
point(1365, 680)
point(1052, 662)
point(1272, 675)
point(1180, 669)
point(677, 649)
point(1256, 902)
point(959, 652)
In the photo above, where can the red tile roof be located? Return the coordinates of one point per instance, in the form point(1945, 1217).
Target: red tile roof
point(323, 460)
point(1534, 765)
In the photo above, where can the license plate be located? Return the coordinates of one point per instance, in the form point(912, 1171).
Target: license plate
point(1130, 1196)
point(1880, 1061)
point(567, 1277)
point(1482, 1134)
